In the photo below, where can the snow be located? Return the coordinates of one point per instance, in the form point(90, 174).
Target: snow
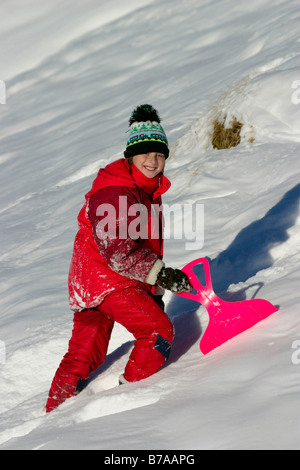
point(73, 75)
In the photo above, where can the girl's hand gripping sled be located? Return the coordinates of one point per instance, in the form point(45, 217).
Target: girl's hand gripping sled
point(226, 319)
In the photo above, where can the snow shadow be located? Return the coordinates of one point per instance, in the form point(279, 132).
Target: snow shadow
point(249, 252)
point(244, 258)
point(110, 359)
point(187, 332)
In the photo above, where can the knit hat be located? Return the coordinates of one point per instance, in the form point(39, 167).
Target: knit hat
point(146, 132)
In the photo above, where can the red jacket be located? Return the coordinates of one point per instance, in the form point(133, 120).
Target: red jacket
point(105, 262)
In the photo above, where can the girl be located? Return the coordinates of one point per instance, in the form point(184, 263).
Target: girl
point(116, 272)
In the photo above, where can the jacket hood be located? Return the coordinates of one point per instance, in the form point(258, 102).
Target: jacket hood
point(117, 174)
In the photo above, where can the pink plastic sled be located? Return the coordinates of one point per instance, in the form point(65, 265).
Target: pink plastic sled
point(226, 319)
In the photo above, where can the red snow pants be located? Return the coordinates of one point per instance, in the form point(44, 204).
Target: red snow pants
point(137, 311)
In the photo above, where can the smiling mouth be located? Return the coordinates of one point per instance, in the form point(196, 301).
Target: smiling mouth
point(150, 168)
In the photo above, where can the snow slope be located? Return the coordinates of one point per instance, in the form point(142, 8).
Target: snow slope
point(72, 76)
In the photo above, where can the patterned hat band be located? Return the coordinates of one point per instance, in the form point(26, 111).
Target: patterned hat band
point(145, 137)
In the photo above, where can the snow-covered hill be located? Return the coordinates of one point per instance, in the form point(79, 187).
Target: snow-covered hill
point(73, 74)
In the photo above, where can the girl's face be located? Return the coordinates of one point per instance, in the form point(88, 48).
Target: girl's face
point(150, 164)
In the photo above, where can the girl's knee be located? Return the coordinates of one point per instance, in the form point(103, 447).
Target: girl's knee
point(168, 331)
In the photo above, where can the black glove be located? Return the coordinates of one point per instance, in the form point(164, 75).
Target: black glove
point(159, 300)
point(174, 280)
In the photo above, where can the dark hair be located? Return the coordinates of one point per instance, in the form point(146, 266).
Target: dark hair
point(130, 163)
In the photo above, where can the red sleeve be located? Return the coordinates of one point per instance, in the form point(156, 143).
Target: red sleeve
point(110, 220)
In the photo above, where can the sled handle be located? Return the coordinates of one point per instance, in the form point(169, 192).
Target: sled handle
point(203, 292)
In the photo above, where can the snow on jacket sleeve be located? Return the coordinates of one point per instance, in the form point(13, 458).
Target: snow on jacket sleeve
point(126, 253)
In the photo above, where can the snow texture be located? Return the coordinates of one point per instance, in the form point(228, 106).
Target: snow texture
point(73, 73)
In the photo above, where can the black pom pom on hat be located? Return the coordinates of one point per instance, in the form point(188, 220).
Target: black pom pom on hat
point(144, 112)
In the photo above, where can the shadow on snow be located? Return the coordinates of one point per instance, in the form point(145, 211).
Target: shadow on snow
point(248, 254)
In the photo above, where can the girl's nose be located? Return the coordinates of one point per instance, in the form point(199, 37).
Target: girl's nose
point(152, 157)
